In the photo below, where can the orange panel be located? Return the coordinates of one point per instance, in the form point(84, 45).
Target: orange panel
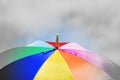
point(81, 69)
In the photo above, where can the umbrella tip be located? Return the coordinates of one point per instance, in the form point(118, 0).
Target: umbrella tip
point(57, 41)
point(57, 34)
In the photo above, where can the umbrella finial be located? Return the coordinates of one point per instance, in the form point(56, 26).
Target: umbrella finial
point(57, 41)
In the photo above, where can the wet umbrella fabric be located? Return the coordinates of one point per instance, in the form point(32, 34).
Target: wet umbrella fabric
point(42, 61)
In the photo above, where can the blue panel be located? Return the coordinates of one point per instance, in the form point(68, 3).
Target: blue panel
point(24, 69)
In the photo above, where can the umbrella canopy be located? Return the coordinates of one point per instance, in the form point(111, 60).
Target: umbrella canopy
point(55, 61)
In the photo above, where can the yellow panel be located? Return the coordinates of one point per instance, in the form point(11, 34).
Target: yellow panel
point(55, 68)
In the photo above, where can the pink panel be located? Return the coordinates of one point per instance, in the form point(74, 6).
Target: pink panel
point(89, 56)
point(72, 46)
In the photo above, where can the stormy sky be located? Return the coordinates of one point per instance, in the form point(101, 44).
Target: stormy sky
point(94, 24)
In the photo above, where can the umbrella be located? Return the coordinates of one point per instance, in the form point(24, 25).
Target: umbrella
point(55, 61)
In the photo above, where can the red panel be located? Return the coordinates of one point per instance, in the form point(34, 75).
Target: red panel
point(54, 43)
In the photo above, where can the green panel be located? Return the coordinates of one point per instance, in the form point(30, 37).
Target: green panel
point(20, 52)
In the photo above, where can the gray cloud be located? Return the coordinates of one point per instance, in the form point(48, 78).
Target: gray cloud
point(94, 24)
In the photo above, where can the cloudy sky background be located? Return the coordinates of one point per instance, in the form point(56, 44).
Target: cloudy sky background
point(95, 24)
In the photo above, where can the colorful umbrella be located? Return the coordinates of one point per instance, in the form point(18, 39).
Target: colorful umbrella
point(55, 61)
